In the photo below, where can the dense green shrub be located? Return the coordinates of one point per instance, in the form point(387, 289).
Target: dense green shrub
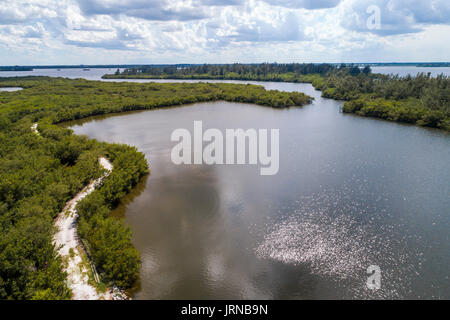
point(421, 100)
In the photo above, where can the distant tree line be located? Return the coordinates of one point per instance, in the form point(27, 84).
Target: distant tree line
point(238, 68)
point(15, 68)
point(290, 72)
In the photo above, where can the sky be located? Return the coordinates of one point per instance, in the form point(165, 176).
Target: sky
point(45, 32)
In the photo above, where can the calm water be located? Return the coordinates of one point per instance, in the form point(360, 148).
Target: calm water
point(10, 89)
point(72, 73)
point(351, 192)
point(411, 70)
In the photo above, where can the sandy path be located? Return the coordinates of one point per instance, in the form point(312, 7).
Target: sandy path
point(70, 248)
point(34, 129)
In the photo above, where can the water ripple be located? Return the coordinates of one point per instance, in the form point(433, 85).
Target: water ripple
point(338, 240)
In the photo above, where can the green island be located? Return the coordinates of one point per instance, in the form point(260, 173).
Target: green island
point(40, 172)
point(421, 100)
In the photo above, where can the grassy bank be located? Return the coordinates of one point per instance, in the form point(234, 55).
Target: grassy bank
point(40, 173)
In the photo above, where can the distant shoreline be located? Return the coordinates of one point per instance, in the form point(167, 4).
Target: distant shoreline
point(124, 66)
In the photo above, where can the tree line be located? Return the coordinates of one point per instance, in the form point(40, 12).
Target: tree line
point(213, 70)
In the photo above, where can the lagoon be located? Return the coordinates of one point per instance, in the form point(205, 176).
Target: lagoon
point(351, 192)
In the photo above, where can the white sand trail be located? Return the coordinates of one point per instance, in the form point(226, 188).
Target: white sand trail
point(71, 248)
